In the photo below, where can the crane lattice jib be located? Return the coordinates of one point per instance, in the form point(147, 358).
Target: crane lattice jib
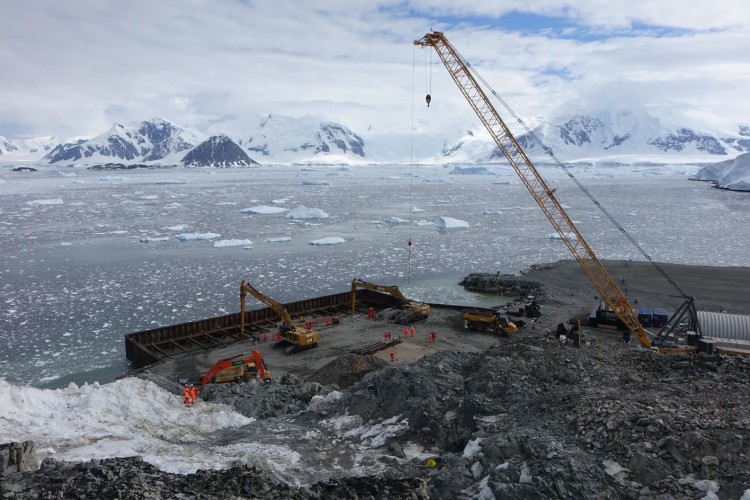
point(544, 196)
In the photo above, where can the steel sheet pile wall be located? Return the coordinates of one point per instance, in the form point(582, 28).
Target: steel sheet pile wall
point(137, 343)
point(723, 325)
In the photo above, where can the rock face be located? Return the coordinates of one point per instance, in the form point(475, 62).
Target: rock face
point(149, 140)
point(17, 457)
point(501, 284)
point(218, 151)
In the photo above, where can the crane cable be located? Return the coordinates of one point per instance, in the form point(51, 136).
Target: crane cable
point(411, 161)
point(577, 182)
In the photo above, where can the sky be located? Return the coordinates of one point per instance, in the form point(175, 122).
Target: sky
point(72, 69)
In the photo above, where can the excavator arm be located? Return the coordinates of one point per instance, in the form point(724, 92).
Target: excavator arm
point(279, 309)
point(531, 178)
point(390, 290)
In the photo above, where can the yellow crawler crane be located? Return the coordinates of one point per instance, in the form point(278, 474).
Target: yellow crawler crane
point(460, 71)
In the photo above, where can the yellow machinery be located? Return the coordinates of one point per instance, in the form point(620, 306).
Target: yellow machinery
point(293, 339)
point(411, 311)
point(459, 70)
point(497, 323)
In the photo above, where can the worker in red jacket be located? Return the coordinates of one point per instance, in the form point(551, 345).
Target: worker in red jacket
point(186, 396)
point(193, 394)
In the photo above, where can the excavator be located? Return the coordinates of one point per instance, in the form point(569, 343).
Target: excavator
point(237, 369)
point(293, 339)
point(410, 311)
point(465, 77)
point(497, 323)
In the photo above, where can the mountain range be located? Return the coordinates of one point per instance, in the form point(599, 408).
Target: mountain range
point(279, 139)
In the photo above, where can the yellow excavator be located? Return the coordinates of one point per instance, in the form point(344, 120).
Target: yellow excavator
point(465, 77)
point(410, 311)
point(293, 338)
point(497, 323)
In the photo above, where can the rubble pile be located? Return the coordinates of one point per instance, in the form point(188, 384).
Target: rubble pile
point(132, 478)
point(536, 418)
point(282, 396)
point(347, 370)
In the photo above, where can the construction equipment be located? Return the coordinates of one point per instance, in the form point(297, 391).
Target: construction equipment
point(498, 322)
point(237, 369)
point(293, 339)
point(545, 197)
point(410, 311)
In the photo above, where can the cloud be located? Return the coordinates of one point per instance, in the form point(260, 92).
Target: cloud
point(74, 68)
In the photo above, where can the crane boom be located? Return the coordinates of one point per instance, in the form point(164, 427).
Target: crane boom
point(531, 178)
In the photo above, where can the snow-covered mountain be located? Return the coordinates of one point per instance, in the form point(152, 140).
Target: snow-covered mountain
point(26, 149)
point(728, 174)
point(137, 142)
point(614, 135)
point(284, 139)
point(218, 151)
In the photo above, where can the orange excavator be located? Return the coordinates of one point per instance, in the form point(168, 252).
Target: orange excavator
point(237, 369)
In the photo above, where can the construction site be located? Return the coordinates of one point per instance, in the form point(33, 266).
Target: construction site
point(577, 390)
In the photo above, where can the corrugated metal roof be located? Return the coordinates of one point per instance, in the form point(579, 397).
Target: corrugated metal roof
point(723, 325)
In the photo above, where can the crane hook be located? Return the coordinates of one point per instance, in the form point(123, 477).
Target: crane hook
point(428, 99)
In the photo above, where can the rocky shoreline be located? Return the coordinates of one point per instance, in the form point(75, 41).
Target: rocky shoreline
point(528, 418)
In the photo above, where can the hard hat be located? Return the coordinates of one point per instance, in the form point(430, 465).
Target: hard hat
point(431, 463)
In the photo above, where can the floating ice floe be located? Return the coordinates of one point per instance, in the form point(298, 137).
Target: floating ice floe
point(196, 236)
point(264, 210)
point(302, 212)
point(232, 243)
point(153, 239)
point(417, 209)
point(279, 239)
point(493, 211)
point(178, 227)
point(422, 222)
point(172, 181)
point(60, 173)
point(450, 223)
point(556, 236)
point(311, 182)
point(396, 220)
point(330, 240)
point(470, 171)
point(53, 201)
point(112, 178)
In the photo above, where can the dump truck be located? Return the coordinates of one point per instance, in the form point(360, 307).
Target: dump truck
point(498, 322)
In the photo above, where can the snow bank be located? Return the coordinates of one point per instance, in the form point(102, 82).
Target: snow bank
point(302, 212)
point(450, 223)
point(53, 201)
point(232, 243)
point(129, 417)
point(196, 236)
point(330, 240)
point(263, 210)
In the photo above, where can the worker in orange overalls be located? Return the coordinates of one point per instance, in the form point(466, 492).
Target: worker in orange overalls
point(413, 331)
point(193, 394)
point(406, 331)
point(186, 396)
point(393, 357)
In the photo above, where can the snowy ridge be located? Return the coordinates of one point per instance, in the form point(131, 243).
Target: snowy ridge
point(621, 136)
